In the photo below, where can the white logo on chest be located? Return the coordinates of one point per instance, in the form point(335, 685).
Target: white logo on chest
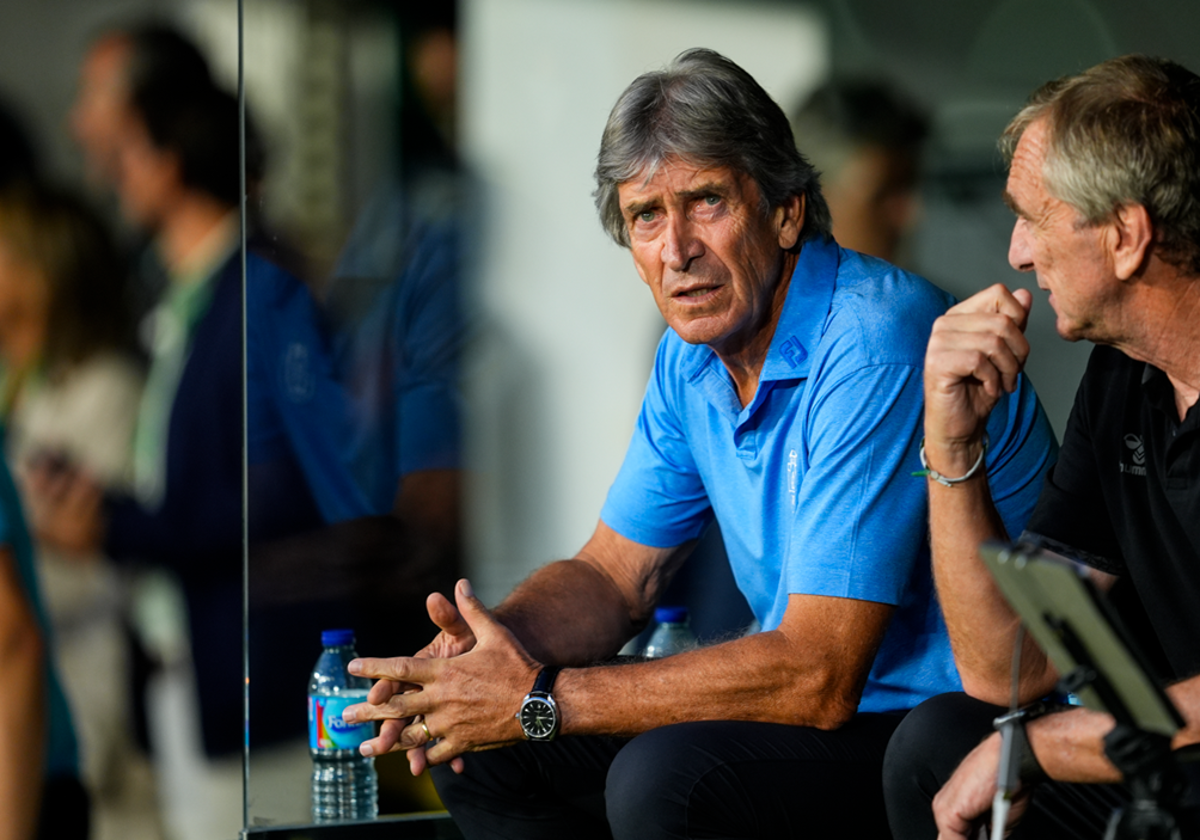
point(793, 474)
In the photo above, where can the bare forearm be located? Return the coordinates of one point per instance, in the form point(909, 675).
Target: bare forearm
point(569, 613)
point(1070, 746)
point(762, 677)
point(810, 670)
point(22, 733)
point(981, 623)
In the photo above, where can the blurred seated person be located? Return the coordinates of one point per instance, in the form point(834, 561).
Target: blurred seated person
point(394, 303)
point(40, 793)
point(68, 398)
point(865, 139)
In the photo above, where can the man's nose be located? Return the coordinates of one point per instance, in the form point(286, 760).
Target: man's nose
point(681, 245)
point(1020, 247)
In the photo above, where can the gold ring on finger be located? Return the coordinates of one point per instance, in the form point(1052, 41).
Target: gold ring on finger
point(428, 734)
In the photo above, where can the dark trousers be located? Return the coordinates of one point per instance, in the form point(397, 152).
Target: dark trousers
point(718, 779)
point(938, 734)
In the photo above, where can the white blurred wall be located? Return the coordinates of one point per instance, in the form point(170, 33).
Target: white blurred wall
point(567, 329)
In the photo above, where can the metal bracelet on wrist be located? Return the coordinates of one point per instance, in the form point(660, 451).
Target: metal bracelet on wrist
point(950, 482)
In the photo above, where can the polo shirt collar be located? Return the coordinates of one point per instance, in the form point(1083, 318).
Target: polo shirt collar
point(801, 323)
point(1160, 393)
point(804, 312)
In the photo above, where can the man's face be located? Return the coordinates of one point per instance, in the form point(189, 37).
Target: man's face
point(1051, 238)
point(24, 309)
point(147, 179)
point(101, 116)
point(712, 258)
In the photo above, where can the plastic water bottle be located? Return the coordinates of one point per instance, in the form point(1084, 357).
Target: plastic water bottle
point(672, 635)
point(344, 784)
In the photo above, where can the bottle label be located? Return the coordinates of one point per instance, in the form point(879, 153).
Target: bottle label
point(327, 730)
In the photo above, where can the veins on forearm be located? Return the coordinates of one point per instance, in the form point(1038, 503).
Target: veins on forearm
point(567, 613)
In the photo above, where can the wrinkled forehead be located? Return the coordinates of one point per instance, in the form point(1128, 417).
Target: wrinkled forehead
point(1032, 147)
point(675, 175)
point(1026, 170)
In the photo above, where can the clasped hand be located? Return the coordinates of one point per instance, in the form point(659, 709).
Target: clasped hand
point(966, 798)
point(65, 504)
point(976, 352)
point(462, 690)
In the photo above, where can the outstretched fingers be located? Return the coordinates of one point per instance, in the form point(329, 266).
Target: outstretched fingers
point(400, 669)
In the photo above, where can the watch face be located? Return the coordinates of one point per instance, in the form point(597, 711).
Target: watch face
point(539, 718)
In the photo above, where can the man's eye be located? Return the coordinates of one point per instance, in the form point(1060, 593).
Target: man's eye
point(712, 200)
point(646, 216)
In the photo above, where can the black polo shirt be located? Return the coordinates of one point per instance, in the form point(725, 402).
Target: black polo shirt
point(1124, 497)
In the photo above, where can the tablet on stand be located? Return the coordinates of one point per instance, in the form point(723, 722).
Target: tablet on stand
point(1098, 662)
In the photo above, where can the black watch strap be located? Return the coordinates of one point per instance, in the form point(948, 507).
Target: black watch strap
point(544, 683)
point(1030, 770)
point(539, 712)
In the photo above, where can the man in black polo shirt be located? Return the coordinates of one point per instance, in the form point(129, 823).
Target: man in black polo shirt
point(1105, 182)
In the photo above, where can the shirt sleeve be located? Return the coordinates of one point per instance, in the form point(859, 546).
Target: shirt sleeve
point(1021, 451)
point(658, 498)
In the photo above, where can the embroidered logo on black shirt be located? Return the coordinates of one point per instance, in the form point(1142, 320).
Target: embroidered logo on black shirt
point(1134, 444)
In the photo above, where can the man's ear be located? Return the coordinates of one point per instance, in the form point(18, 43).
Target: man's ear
point(789, 217)
point(1133, 238)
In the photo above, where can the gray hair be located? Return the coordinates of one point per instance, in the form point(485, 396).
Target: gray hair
point(1126, 131)
point(705, 110)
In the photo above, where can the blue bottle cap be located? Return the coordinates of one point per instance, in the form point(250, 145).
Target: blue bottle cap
point(673, 615)
point(337, 638)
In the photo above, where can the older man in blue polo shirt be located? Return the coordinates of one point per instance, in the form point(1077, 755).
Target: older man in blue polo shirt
point(786, 402)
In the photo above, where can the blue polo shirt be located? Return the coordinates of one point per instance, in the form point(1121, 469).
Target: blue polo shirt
point(299, 412)
point(399, 329)
point(811, 482)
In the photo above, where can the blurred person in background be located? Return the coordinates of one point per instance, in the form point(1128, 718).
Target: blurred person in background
point(100, 122)
point(394, 302)
point(398, 328)
point(69, 390)
point(40, 792)
point(170, 146)
point(865, 138)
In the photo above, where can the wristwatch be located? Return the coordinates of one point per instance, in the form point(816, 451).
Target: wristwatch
point(1029, 769)
point(539, 713)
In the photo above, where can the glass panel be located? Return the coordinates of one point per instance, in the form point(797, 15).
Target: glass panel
point(352, 360)
point(148, 625)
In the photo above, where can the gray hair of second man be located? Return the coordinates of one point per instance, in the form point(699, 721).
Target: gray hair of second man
point(705, 110)
point(1126, 131)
